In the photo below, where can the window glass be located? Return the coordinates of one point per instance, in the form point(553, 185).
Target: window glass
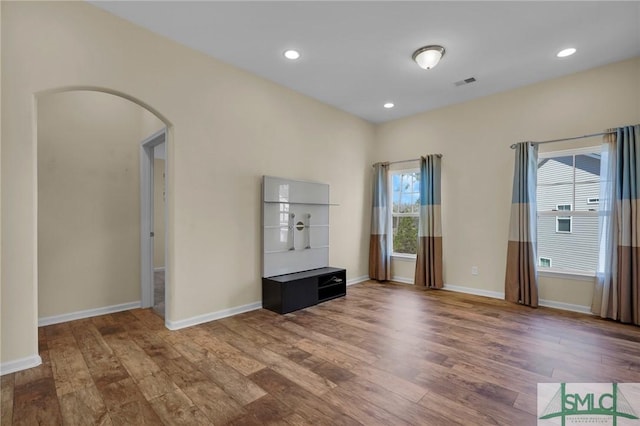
point(405, 187)
point(563, 224)
point(587, 181)
point(405, 234)
point(567, 197)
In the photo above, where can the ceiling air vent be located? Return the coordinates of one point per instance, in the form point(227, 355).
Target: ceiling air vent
point(465, 81)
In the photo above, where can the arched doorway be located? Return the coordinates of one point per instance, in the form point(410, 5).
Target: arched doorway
point(89, 201)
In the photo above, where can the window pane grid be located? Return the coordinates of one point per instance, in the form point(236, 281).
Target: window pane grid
point(405, 189)
point(568, 195)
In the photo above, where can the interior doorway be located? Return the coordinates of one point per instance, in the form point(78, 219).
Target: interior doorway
point(88, 188)
point(153, 169)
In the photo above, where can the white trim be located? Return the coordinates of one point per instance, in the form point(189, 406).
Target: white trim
point(403, 280)
point(475, 291)
point(212, 316)
point(557, 273)
point(540, 258)
point(357, 280)
point(147, 147)
point(391, 214)
point(404, 257)
point(88, 313)
point(160, 269)
point(565, 306)
point(558, 219)
point(500, 295)
point(20, 364)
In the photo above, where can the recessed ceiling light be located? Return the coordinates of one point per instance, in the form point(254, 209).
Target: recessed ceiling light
point(291, 54)
point(566, 52)
point(389, 105)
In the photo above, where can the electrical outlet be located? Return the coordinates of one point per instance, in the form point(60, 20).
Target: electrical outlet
point(474, 270)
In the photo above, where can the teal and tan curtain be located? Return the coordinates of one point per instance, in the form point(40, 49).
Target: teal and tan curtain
point(429, 257)
point(617, 289)
point(379, 256)
point(521, 280)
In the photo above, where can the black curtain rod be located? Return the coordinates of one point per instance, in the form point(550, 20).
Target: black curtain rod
point(406, 161)
point(513, 146)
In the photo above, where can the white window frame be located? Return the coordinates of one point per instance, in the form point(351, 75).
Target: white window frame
point(558, 218)
point(545, 258)
point(562, 273)
point(399, 255)
point(593, 200)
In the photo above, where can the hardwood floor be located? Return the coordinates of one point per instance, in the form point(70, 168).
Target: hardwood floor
point(385, 354)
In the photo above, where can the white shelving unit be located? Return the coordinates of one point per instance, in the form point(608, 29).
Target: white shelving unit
point(295, 219)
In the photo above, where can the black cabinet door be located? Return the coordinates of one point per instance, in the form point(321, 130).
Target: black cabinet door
point(299, 294)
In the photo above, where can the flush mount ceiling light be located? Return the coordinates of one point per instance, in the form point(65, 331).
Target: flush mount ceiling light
point(428, 57)
point(291, 54)
point(389, 105)
point(566, 52)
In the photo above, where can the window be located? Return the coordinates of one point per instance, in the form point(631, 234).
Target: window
point(563, 223)
point(544, 262)
point(405, 195)
point(567, 196)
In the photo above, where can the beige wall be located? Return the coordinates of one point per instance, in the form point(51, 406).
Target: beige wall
point(477, 167)
point(88, 202)
point(158, 212)
point(227, 129)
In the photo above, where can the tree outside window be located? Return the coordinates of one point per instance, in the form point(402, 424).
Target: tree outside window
point(405, 186)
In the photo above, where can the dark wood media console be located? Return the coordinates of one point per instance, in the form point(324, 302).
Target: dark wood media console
point(290, 292)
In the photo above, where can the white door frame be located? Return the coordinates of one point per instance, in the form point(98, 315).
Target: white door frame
point(146, 217)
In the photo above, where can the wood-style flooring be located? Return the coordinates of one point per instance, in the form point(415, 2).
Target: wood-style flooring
point(384, 355)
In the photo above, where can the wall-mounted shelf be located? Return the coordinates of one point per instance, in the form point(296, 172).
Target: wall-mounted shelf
point(295, 226)
point(304, 248)
point(298, 203)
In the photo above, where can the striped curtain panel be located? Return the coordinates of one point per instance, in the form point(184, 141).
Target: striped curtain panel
point(521, 280)
point(617, 290)
point(379, 258)
point(627, 189)
point(429, 258)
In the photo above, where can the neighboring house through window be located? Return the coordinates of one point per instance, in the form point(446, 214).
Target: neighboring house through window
point(567, 197)
point(405, 211)
point(563, 223)
point(544, 262)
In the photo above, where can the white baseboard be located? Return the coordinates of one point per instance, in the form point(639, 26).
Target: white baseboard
point(72, 316)
point(402, 280)
point(160, 269)
point(357, 280)
point(20, 364)
point(475, 291)
point(200, 319)
point(565, 306)
point(500, 295)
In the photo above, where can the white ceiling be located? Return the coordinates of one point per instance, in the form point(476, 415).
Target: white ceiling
point(357, 55)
